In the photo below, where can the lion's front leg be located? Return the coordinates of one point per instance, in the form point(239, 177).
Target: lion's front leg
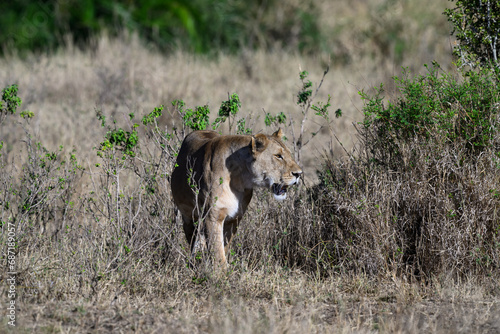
point(214, 224)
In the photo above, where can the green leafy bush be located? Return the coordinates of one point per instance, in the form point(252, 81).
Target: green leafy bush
point(434, 106)
point(10, 100)
point(9, 103)
point(36, 197)
point(476, 25)
point(195, 119)
point(227, 109)
point(8, 106)
point(424, 178)
point(118, 139)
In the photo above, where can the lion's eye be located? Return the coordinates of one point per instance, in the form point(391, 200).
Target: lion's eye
point(279, 156)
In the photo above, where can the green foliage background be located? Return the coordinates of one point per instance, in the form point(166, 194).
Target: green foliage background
point(197, 25)
point(476, 26)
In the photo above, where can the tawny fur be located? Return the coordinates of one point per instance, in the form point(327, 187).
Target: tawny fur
point(214, 177)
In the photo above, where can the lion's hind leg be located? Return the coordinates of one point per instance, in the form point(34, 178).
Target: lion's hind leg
point(230, 227)
point(195, 236)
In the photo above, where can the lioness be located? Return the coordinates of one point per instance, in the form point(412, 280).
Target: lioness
point(214, 179)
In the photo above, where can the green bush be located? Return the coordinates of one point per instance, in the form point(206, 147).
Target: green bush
point(420, 196)
point(9, 103)
point(227, 109)
point(476, 25)
point(435, 106)
point(36, 197)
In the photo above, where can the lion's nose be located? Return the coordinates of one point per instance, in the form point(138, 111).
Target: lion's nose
point(297, 174)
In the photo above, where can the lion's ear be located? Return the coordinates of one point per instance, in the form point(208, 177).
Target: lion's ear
point(278, 134)
point(259, 143)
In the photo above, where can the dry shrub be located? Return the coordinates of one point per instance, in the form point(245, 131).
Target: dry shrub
point(420, 197)
point(430, 217)
point(435, 215)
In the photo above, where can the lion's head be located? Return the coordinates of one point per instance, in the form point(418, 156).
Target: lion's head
point(273, 166)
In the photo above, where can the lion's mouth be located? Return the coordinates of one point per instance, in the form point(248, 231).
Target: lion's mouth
point(279, 190)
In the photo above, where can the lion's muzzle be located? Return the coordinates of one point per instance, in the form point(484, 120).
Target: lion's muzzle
point(280, 189)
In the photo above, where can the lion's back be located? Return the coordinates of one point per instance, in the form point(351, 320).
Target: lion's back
point(190, 162)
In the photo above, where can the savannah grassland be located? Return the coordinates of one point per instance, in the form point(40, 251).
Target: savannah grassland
point(100, 246)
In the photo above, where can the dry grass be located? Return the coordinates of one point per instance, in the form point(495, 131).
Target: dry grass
point(259, 301)
point(326, 260)
point(123, 76)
